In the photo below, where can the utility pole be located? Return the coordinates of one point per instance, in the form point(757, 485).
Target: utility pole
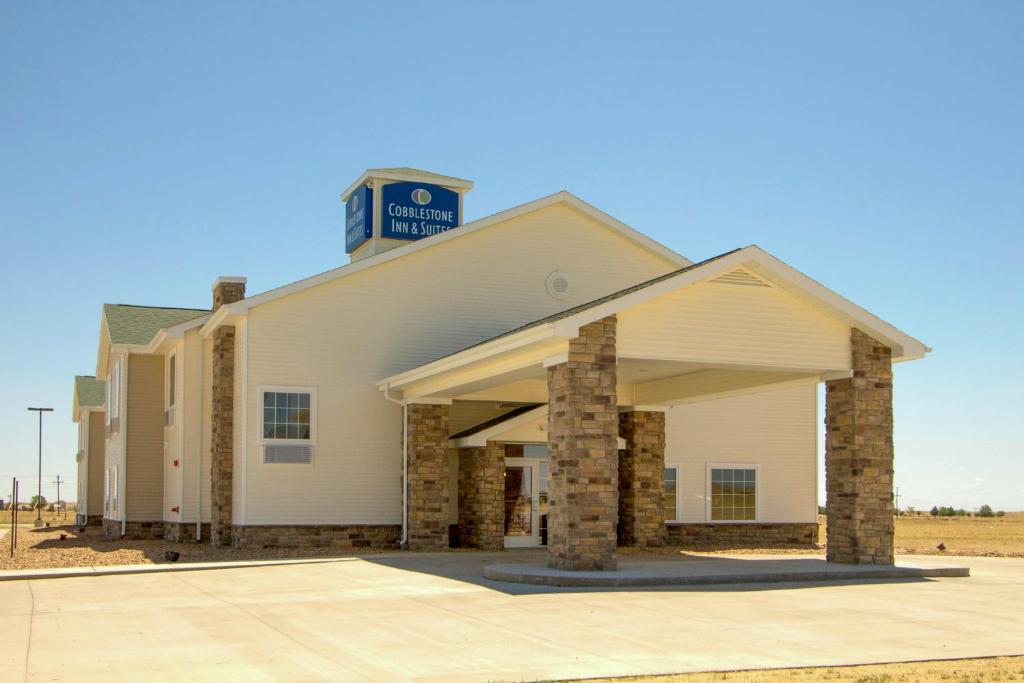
point(39, 495)
point(897, 501)
point(58, 495)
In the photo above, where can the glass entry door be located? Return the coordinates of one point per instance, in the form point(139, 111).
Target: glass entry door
point(523, 486)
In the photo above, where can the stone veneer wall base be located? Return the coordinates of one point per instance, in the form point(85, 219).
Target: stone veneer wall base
point(185, 532)
point(742, 535)
point(342, 537)
point(137, 531)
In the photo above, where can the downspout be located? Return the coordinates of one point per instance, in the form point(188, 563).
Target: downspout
point(199, 442)
point(405, 463)
point(122, 380)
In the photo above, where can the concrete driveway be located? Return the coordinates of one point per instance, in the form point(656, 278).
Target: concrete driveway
point(431, 617)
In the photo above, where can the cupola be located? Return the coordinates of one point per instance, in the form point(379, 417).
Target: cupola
point(388, 207)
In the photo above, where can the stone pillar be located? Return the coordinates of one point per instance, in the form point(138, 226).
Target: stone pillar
point(481, 497)
point(226, 290)
point(428, 495)
point(642, 478)
point(859, 457)
point(583, 429)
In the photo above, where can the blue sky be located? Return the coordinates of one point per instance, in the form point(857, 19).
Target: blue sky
point(146, 148)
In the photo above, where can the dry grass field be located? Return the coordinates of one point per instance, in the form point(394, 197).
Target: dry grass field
point(954, 670)
point(987, 536)
point(43, 549)
point(990, 536)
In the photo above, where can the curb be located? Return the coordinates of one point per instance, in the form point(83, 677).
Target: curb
point(540, 576)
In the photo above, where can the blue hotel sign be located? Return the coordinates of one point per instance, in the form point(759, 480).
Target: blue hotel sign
point(412, 211)
point(358, 218)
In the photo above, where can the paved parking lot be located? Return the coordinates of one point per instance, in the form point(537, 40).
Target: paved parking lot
point(431, 617)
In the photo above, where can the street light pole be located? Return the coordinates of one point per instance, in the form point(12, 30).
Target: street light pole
point(39, 495)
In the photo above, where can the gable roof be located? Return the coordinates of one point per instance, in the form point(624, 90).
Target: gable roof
point(89, 391)
point(566, 324)
point(559, 198)
point(129, 324)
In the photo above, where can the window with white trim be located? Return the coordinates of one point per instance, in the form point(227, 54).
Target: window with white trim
point(733, 493)
point(288, 424)
point(171, 380)
point(673, 512)
point(113, 394)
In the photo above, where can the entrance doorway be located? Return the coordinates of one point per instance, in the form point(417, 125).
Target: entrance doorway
point(526, 502)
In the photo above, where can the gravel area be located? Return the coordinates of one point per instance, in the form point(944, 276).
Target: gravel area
point(43, 549)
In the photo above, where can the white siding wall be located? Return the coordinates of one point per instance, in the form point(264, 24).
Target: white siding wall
point(144, 438)
point(238, 501)
point(172, 441)
point(82, 492)
point(194, 392)
point(734, 324)
point(94, 458)
point(207, 423)
point(114, 451)
point(776, 430)
point(344, 336)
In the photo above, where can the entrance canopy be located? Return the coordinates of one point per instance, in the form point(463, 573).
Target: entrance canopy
point(735, 323)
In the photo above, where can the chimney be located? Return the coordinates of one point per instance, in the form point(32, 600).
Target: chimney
point(227, 289)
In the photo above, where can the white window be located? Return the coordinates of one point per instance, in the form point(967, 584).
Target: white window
point(288, 424)
point(113, 393)
point(673, 509)
point(171, 380)
point(114, 486)
point(732, 492)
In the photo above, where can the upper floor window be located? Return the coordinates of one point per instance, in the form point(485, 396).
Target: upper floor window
point(171, 380)
point(112, 392)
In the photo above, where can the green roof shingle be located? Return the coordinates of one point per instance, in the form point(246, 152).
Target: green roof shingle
point(89, 391)
point(130, 324)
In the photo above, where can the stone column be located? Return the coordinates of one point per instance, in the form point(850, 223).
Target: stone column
point(642, 478)
point(481, 497)
point(226, 290)
point(428, 495)
point(859, 457)
point(583, 428)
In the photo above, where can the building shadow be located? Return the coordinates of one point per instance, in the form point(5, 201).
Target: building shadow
point(468, 567)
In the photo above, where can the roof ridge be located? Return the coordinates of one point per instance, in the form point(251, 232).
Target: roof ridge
point(164, 308)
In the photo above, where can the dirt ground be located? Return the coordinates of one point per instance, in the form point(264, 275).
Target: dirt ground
point(959, 670)
point(42, 548)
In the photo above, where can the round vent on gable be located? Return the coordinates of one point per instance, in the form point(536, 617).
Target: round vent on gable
point(559, 284)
